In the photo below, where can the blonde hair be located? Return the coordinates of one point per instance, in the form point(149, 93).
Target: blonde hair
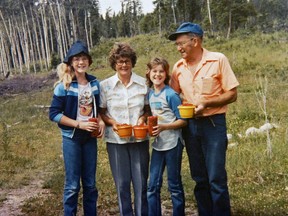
point(65, 74)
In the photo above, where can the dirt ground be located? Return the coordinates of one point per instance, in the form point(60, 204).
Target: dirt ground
point(13, 199)
point(26, 83)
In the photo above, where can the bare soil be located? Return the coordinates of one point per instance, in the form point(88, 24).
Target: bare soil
point(13, 199)
point(26, 83)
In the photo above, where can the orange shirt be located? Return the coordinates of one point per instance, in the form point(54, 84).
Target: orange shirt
point(213, 76)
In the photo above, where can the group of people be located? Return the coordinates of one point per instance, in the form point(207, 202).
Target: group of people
point(200, 77)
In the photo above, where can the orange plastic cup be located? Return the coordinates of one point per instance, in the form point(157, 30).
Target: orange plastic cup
point(152, 122)
point(125, 130)
point(140, 131)
point(96, 132)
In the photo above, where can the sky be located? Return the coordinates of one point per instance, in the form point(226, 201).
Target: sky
point(147, 5)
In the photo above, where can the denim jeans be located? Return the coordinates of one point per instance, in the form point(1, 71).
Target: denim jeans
point(206, 145)
point(171, 159)
point(130, 164)
point(80, 159)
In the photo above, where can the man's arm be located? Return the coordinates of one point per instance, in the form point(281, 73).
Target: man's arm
point(220, 100)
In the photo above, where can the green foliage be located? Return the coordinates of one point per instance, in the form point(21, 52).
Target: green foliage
point(55, 59)
point(258, 185)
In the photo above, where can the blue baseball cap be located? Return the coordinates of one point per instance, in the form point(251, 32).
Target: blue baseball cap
point(77, 48)
point(186, 27)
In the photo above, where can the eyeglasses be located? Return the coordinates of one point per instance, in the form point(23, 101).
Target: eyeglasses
point(121, 62)
point(182, 43)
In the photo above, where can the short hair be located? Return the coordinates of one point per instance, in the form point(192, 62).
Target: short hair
point(155, 62)
point(121, 50)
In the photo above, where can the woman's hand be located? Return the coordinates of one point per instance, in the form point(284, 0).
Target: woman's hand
point(101, 128)
point(141, 120)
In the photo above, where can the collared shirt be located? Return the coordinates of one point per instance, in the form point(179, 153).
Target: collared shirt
point(213, 77)
point(125, 104)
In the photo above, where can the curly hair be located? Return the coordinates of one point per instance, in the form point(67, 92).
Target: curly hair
point(121, 50)
point(155, 62)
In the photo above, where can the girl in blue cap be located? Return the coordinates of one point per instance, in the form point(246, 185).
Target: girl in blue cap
point(75, 101)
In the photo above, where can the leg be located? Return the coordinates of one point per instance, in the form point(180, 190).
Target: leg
point(198, 167)
point(174, 159)
point(139, 153)
point(119, 159)
point(90, 193)
point(72, 163)
point(157, 167)
point(215, 139)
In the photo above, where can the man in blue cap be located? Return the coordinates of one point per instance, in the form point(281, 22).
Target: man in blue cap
point(206, 80)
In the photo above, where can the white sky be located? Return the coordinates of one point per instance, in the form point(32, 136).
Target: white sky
point(147, 6)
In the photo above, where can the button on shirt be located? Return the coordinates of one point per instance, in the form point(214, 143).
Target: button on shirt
point(213, 77)
point(125, 104)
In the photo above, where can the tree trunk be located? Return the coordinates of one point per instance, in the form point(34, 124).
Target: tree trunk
point(230, 23)
point(210, 18)
point(43, 37)
point(36, 42)
point(9, 36)
point(25, 43)
point(160, 20)
point(173, 10)
point(57, 33)
point(86, 29)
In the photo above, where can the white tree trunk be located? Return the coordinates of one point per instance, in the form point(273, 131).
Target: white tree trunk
point(36, 42)
point(210, 17)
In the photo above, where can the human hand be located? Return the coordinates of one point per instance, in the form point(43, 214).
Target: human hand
point(101, 129)
point(88, 125)
point(199, 110)
point(141, 121)
point(157, 129)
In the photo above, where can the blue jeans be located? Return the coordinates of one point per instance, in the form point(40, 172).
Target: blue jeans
point(80, 159)
point(130, 164)
point(172, 160)
point(206, 145)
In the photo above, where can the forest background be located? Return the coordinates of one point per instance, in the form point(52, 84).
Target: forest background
point(35, 31)
point(34, 38)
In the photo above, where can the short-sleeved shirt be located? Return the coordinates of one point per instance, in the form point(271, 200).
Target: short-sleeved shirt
point(213, 77)
point(164, 106)
point(125, 104)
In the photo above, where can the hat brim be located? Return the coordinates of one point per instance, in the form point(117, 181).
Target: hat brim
point(174, 35)
point(67, 59)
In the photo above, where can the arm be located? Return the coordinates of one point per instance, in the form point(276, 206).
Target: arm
point(171, 126)
point(88, 126)
point(143, 118)
point(221, 100)
point(101, 124)
point(107, 120)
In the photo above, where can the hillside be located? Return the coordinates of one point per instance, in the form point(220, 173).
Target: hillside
point(30, 145)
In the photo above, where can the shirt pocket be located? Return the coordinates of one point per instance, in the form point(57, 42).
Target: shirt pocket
point(209, 85)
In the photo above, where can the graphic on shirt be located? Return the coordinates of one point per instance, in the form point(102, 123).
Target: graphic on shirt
point(156, 107)
point(85, 102)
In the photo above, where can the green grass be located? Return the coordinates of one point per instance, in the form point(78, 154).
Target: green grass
point(258, 184)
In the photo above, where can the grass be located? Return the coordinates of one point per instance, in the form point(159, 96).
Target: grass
point(258, 185)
